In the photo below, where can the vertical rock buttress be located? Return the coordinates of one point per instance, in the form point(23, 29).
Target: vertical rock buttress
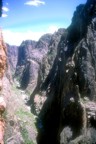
point(68, 115)
point(2, 71)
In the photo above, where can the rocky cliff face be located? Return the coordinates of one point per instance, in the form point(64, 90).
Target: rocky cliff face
point(68, 115)
point(24, 56)
point(2, 58)
point(3, 63)
point(16, 126)
point(12, 57)
point(48, 59)
point(29, 59)
point(38, 96)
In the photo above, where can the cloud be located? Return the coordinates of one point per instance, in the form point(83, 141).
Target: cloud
point(4, 15)
point(35, 3)
point(16, 38)
point(52, 28)
point(5, 9)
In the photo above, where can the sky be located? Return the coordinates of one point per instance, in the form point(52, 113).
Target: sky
point(30, 19)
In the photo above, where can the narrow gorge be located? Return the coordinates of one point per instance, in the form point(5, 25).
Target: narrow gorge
point(49, 85)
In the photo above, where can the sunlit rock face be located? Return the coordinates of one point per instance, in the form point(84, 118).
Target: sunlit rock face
point(30, 56)
point(68, 115)
point(2, 58)
point(3, 64)
point(12, 57)
point(2, 71)
point(23, 62)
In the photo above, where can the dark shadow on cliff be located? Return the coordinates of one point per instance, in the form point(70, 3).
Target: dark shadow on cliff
point(70, 83)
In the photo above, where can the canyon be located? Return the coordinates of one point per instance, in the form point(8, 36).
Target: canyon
point(49, 85)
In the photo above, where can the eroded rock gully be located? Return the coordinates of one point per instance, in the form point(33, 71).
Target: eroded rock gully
point(30, 54)
point(20, 122)
point(35, 60)
point(17, 124)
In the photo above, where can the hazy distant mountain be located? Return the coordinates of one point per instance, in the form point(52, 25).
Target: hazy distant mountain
point(30, 55)
point(12, 55)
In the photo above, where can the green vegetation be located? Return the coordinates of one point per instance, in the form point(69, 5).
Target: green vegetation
point(5, 114)
point(25, 136)
point(21, 113)
point(28, 92)
point(26, 117)
point(14, 88)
